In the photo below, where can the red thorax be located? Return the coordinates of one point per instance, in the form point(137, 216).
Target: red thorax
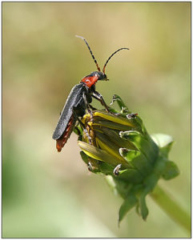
point(90, 80)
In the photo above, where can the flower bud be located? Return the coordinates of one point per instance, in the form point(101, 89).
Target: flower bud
point(118, 145)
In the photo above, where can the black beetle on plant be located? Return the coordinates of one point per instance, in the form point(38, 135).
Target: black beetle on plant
point(78, 101)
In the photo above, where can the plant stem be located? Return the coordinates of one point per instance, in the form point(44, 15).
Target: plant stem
point(171, 208)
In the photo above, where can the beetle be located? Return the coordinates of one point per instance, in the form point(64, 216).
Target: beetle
point(79, 100)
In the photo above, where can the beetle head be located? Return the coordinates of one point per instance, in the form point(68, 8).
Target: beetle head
point(101, 76)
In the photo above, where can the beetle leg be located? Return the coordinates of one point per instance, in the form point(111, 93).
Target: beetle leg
point(82, 124)
point(93, 108)
point(88, 106)
point(85, 100)
point(85, 130)
point(100, 98)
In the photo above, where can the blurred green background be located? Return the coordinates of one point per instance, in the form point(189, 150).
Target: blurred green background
point(51, 194)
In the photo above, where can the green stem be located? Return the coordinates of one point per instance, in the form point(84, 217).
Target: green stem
point(171, 208)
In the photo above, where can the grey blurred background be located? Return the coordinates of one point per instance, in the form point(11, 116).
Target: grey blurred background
point(51, 194)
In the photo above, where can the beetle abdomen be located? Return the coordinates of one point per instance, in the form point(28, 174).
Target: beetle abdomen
point(63, 139)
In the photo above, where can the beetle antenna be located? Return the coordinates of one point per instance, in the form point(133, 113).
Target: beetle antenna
point(90, 52)
point(111, 57)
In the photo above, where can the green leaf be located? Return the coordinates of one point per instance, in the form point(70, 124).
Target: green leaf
point(143, 207)
point(143, 143)
point(120, 103)
point(171, 170)
point(130, 175)
point(164, 142)
point(115, 138)
point(166, 149)
point(129, 202)
point(97, 153)
point(137, 160)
